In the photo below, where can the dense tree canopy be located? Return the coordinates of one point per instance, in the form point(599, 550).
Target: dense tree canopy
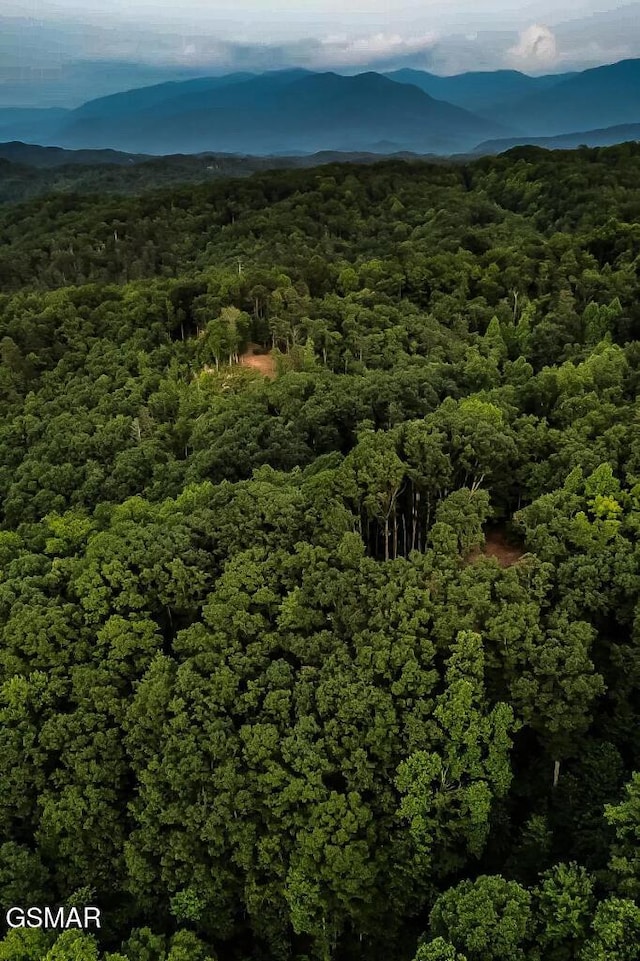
point(320, 567)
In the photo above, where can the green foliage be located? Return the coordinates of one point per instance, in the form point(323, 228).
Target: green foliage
point(461, 779)
point(438, 950)
point(565, 904)
point(625, 820)
point(73, 946)
point(616, 932)
point(488, 919)
point(23, 944)
point(319, 564)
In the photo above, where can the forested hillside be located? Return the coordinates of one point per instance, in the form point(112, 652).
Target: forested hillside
point(28, 170)
point(337, 658)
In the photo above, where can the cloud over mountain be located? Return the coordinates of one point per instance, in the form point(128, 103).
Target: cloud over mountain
point(536, 48)
point(62, 57)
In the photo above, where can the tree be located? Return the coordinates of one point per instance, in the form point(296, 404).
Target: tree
point(465, 511)
point(487, 919)
point(24, 944)
point(377, 473)
point(564, 905)
point(447, 796)
point(76, 946)
point(556, 685)
point(616, 932)
point(438, 950)
point(624, 817)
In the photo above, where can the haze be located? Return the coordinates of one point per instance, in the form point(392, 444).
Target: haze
point(65, 52)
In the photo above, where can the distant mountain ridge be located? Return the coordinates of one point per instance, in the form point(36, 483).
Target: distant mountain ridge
point(103, 172)
point(605, 137)
point(479, 91)
point(277, 113)
point(144, 98)
point(301, 112)
point(594, 99)
point(34, 155)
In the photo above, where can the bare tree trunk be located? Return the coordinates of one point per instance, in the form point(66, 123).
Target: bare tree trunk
point(414, 517)
point(404, 535)
point(386, 538)
point(556, 773)
point(395, 533)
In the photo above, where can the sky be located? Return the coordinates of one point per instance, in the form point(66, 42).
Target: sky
point(45, 44)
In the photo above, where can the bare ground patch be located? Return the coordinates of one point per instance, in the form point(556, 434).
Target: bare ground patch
point(498, 545)
point(255, 357)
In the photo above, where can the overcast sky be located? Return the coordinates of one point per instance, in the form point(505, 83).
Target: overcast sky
point(444, 36)
point(284, 17)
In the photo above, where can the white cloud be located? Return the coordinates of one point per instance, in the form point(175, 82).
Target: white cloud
point(335, 51)
point(536, 47)
point(378, 47)
point(351, 35)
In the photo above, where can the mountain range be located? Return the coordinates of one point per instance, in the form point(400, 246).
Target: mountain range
point(483, 92)
point(596, 98)
point(302, 112)
point(32, 155)
point(281, 112)
point(604, 137)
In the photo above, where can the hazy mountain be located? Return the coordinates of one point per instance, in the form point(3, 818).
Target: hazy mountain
point(479, 91)
point(278, 112)
point(605, 137)
point(144, 98)
point(594, 99)
point(35, 155)
point(299, 112)
point(30, 124)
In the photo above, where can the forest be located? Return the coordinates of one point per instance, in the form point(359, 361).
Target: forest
point(319, 563)
point(28, 171)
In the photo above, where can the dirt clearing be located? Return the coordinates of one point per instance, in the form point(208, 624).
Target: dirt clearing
point(499, 546)
point(255, 357)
